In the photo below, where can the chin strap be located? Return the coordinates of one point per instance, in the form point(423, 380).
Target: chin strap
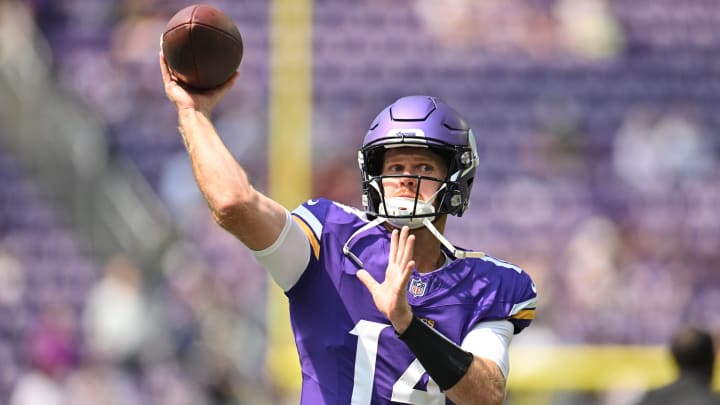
point(404, 211)
point(455, 252)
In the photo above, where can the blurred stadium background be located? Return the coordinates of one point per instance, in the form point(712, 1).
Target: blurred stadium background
point(599, 132)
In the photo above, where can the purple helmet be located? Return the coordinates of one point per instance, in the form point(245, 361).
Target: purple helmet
point(427, 122)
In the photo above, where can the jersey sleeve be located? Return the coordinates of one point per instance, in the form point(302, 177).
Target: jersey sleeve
point(297, 245)
point(311, 216)
point(513, 295)
point(524, 302)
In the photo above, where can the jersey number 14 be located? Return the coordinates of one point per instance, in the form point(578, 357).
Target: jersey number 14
point(403, 391)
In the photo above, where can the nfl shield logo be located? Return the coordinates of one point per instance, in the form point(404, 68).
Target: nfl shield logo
point(417, 287)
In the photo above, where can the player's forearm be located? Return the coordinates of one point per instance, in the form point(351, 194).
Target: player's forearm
point(220, 178)
point(482, 384)
point(463, 376)
point(235, 204)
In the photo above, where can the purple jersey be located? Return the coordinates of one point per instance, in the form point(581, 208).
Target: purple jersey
point(348, 350)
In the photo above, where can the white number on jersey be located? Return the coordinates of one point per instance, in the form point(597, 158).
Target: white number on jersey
point(368, 334)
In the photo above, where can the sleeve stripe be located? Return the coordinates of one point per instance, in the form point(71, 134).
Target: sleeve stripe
point(314, 243)
point(528, 314)
point(529, 304)
point(310, 220)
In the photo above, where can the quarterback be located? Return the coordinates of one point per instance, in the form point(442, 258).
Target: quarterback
point(384, 309)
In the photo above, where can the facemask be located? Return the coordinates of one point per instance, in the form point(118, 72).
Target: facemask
point(403, 207)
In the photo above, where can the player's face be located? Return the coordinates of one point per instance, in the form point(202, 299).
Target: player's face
point(412, 162)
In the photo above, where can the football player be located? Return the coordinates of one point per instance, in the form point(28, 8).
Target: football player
point(383, 307)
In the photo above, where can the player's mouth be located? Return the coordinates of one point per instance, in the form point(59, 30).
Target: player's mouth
point(405, 195)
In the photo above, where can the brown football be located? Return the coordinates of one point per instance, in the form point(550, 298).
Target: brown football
point(202, 46)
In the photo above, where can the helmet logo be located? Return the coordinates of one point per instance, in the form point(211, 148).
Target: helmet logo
point(406, 133)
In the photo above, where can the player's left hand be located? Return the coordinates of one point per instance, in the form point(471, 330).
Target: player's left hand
point(390, 296)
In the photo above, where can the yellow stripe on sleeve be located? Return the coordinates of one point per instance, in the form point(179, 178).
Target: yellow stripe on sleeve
point(528, 314)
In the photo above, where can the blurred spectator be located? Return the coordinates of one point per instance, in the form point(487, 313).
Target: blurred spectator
point(52, 349)
point(216, 319)
point(588, 28)
point(694, 353)
point(169, 384)
point(99, 382)
point(115, 320)
point(653, 154)
point(37, 388)
point(53, 342)
point(12, 279)
point(585, 29)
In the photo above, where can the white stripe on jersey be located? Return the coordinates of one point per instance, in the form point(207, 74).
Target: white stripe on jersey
point(309, 219)
point(531, 303)
point(352, 210)
point(502, 263)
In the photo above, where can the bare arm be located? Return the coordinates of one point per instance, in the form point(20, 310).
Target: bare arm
point(235, 204)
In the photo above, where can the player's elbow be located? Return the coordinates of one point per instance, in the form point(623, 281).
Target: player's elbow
point(486, 396)
point(231, 209)
point(495, 390)
point(482, 384)
point(495, 396)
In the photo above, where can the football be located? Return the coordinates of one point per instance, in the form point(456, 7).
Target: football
point(202, 46)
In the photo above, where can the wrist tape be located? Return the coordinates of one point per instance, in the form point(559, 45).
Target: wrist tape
point(444, 361)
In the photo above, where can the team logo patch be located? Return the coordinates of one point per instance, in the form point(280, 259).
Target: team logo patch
point(417, 287)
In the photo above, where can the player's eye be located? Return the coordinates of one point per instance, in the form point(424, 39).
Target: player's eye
point(427, 168)
point(394, 168)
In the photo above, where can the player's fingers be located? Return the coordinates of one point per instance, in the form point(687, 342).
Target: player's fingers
point(407, 272)
point(393, 247)
point(408, 246)
point(164, 68)
point(401, 246)
point(402, 238)
point(367, 279)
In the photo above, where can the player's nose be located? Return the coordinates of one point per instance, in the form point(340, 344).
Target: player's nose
point(409, 181)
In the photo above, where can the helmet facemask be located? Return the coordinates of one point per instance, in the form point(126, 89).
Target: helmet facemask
point(405, 211)
point(410, 211)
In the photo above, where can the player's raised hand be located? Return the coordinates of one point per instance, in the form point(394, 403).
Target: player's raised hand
point(390, 296)
point(203, 101)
